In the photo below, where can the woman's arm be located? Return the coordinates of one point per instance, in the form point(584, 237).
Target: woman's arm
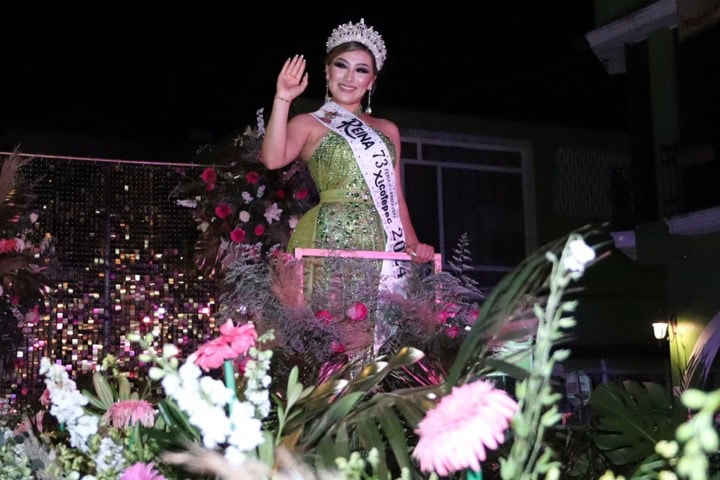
point(284, 140)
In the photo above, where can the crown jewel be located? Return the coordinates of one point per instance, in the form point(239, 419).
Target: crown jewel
point(359, 32)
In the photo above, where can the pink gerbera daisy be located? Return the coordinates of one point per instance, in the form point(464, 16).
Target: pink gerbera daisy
point(126, 413)
point(454, 435)
point(142, 471)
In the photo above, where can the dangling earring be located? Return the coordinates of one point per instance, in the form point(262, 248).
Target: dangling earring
point(327, 92)
point(368, 109)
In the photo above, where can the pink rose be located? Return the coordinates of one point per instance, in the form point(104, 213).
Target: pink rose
point(357, 312)
point(259, 230)
point(209, 187)
point(302, 193)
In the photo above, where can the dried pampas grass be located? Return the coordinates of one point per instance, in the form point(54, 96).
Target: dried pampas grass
point(203, 461)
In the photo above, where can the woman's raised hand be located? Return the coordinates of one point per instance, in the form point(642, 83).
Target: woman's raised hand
point(293, 79)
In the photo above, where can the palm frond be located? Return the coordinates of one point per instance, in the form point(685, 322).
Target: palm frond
point(702, 356)
point(527, 280)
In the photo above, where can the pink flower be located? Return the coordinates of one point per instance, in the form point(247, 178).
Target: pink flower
point(142, 471)
point(357, 312)
point(325, 316)
point(208, 175)
point(453, 331)
point(45, 398)
point(238, 235)
point(252, 177)
point(7, 246)
point(449, 310)
point(454, 434)
point(337, 347)
point(222, 210)
point(302, 193)
point(259, 230)
point(209, 187)
point(232, 343)
point(213, 353)
point(125, 413)
point(240, 338)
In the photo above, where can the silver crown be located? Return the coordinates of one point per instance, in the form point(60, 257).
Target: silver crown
point(359, 32)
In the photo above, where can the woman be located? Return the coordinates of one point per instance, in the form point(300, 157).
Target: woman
point(353, 158)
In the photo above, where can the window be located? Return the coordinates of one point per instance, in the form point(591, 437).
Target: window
point(479, 186)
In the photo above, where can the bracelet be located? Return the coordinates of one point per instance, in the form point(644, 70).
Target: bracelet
point(283, 99)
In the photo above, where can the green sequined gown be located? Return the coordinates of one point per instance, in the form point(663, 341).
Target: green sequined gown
point(345, 218)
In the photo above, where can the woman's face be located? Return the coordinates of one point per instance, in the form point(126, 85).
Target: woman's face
point(349, 76)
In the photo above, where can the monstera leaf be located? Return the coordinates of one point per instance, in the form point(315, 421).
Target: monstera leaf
point(631, 418)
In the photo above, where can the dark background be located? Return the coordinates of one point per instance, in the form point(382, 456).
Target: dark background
point(160, 73)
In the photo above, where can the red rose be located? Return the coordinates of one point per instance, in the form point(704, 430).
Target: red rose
point(252, 177)
point(302, 193)
point(222, 210)
point(238, 235)
point(208, 175)
point(259, 230)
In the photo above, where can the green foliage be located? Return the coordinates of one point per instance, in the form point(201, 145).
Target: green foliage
point(631, 418)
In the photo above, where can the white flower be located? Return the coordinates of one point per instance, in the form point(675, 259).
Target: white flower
point(246, 197)
point(244, 216)
point(578, 255)
point(272, 213)
point(216, 391)
point(260, 191)
point(213, 424)
point(19, 244)
point(292, 222)
point(171, 384)
point(187, 203)
point(246, 429)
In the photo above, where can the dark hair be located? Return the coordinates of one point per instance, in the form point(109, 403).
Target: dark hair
point(348, 47)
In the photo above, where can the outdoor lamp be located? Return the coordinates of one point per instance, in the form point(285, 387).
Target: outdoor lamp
point(660, 329)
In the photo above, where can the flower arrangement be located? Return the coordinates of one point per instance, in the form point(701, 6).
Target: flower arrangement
point(238, 203)
point(25, 262)
point(223, 410)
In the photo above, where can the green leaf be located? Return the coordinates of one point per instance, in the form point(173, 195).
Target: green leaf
point(630, 419)
point(95, 401)
point(370, 438)
point(177, 420)
point(395, 435)
point(338, 410)
point(123, 388)
point(266, 450)
point(103, 389)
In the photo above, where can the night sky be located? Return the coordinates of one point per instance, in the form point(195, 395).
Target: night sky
point(157, 74)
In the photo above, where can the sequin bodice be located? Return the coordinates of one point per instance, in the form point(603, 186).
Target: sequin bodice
point(345, 218)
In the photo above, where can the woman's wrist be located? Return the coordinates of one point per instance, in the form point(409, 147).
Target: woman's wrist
point(283, 99)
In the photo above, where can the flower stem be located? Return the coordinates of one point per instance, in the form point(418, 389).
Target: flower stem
point(230, 382)
point(474, 475)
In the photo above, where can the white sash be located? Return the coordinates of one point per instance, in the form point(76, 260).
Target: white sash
point(377, 168)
